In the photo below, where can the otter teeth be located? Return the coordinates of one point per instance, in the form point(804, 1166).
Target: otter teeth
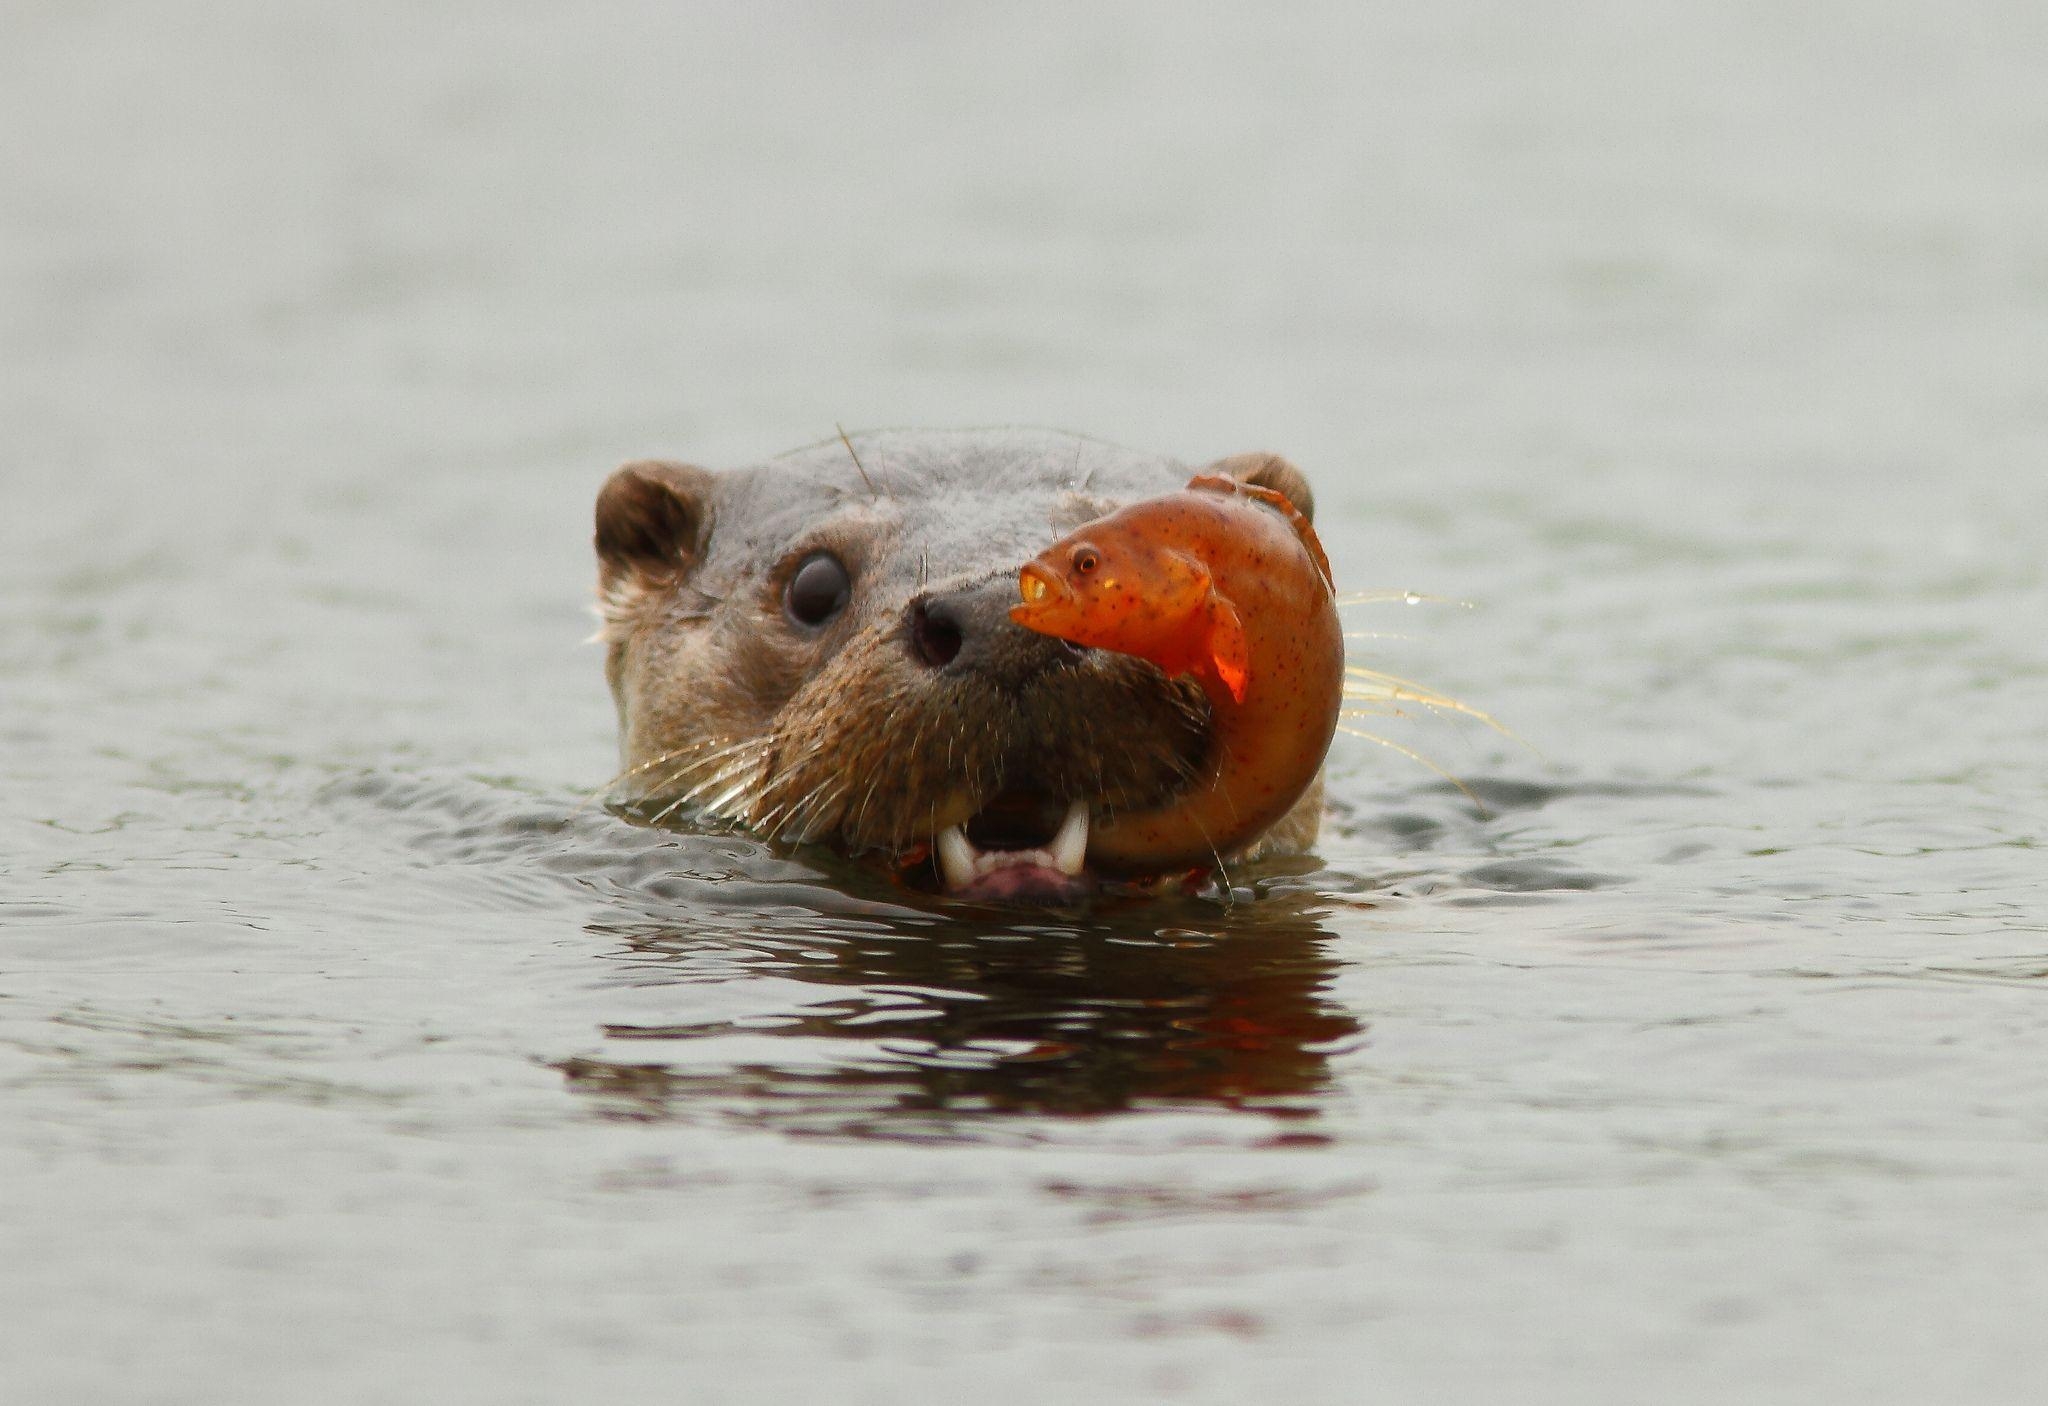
point(1070, 846)
point(961, 861)
point(956, 857)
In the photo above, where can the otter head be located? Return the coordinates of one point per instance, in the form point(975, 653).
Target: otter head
point(820, 648)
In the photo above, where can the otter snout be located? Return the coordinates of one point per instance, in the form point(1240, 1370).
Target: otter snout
point(967, 630)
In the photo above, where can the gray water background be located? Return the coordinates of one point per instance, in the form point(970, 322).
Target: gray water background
point(343, 1058)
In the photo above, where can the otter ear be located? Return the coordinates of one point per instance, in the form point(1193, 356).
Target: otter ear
point(1270, 471)
point(652, 519)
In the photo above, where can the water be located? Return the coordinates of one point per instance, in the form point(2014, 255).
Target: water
point(346, 1058)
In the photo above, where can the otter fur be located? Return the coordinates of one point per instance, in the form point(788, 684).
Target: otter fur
point(818, 647)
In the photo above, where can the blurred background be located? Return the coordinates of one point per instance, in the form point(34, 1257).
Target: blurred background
point(378, 294)
point(1700, 346)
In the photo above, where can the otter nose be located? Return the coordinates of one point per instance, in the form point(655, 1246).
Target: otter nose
point(969, 630)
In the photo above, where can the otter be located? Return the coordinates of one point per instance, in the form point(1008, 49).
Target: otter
point(819, 648)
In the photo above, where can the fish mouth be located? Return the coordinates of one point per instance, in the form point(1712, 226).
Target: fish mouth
point(1021, 847)
point(1038, 586)
point(1045, 600)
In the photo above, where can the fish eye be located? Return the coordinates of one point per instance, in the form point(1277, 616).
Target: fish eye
point(1086, 560)
point(818, 590)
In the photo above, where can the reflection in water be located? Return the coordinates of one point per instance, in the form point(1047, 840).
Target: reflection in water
point(919, 1026)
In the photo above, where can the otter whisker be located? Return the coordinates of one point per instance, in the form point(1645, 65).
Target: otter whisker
point(666, 811)
point(746, 761)
point(795, 766)
point(722, 804)
point(768, 824)
point(718, 746)
point(1383, 710)
point(1222, 870)
point(1415, 756)
point(858, 830)
point(1403, 597)
point(688, 795)
point(721, 761)
point(827, 793)
point(773, 818)
point(912, 751)
point(645, 766)
point(811, 806)
point(855, 456)
point(669, 782)
point(1370, 685)
point(672, 807)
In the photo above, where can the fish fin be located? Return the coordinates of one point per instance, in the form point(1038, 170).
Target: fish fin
point(1229, 656)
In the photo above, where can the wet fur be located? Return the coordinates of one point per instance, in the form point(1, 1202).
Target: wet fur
point(842, 734)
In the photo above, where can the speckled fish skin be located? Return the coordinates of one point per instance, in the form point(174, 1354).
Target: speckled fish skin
point(1148, 593)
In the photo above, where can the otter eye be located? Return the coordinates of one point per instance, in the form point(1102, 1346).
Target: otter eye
point(1086, 560)
point(818, 591)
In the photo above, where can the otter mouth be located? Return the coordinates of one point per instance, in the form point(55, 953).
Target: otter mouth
point(1022, 847)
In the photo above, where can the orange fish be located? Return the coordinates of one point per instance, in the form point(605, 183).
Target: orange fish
point(1225, 582)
